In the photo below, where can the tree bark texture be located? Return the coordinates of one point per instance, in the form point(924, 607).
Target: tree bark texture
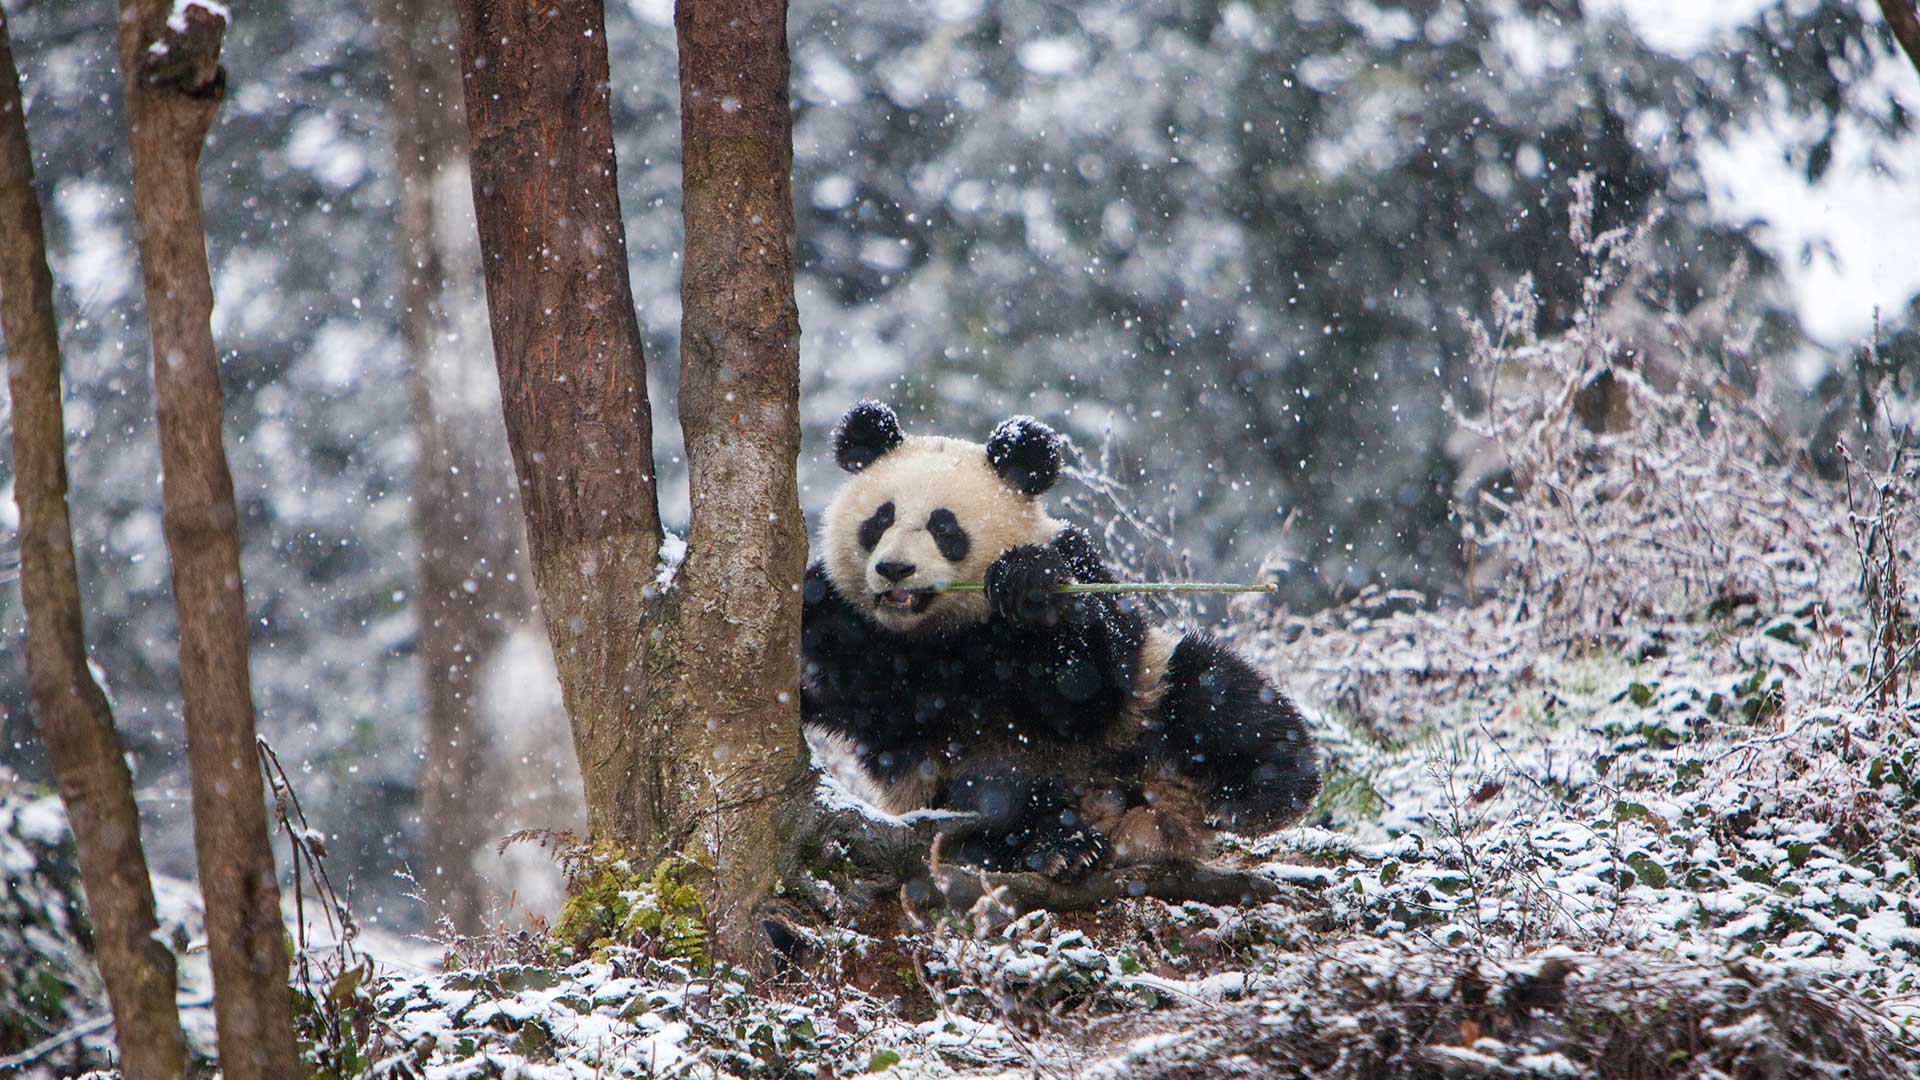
point(684, 701)
point(471, 584)
point(1904, 20)
point(173, 81)
point(572, 380)
point(740, 410)
point(75, 721)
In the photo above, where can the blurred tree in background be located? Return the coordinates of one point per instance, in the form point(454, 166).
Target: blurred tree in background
point(1227, 242)
point(472, 586)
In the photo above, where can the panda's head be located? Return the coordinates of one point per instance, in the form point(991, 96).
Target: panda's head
point(929, 510)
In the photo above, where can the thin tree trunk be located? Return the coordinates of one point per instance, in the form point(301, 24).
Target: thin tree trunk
point(740, 409)
point(683, 701)
point(173, 84)
point(76, 723)
point(471, 587)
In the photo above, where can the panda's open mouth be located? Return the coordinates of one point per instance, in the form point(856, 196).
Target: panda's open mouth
point(906, 600)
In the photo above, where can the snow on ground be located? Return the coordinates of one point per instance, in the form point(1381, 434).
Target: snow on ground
point(1704, 824)
point(1704, 818)
point(1642, 810)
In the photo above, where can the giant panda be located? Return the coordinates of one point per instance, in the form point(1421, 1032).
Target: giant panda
point(1073, 732)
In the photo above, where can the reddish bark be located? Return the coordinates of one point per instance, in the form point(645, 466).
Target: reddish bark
point(684, 703)
point(566, 340)
point(572, 383)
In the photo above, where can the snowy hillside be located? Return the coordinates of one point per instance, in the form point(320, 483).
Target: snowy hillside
point(1645, 809)
point(1694, 855)
point(1691, 858)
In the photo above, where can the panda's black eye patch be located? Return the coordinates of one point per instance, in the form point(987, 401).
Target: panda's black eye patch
point(875, 527)
point(948, 536)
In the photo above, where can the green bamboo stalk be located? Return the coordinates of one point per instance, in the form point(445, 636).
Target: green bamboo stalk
point(1127, 587)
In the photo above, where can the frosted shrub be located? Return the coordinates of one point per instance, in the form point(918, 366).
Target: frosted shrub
point(1647, 473)
point(1630, 475)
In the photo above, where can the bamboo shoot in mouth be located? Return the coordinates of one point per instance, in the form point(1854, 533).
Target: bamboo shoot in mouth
point(1125, 587)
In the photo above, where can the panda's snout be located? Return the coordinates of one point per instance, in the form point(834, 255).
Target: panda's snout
point(893, 594)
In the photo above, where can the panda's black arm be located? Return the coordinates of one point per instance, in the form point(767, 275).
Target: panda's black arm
point(1071, 674)
point(1120, 627)
point(1083, 557)
point(832, 643)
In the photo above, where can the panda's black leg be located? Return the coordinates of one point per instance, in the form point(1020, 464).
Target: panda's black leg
point(1228, 726)
point(1021, 822)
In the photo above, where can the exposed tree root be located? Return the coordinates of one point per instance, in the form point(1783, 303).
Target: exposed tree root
point(857, 858)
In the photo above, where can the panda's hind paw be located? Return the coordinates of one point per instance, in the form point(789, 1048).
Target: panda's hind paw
point(1066, 856)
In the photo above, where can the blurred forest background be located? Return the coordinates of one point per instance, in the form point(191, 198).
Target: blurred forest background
point(1226, 247)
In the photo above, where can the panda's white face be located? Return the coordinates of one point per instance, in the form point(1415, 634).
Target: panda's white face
point(929, 512)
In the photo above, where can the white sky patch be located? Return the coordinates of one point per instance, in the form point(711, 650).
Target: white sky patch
point(1680, 27)
point(1845, 246)
point(652, 12)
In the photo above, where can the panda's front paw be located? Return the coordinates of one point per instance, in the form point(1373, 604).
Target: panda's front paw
point(1023, 585)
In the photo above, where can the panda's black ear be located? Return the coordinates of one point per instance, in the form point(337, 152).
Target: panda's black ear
point(1026, 454)
point(867, 431)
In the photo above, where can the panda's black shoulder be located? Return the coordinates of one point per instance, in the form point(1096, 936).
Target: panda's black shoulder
point(827, 621)
point(816, 589)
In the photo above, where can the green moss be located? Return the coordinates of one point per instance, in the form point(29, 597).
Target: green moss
point(1346, 797)
point(615, 904)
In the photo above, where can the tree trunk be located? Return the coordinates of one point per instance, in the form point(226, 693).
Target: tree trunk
point(1904, 21)
point(683, 700)
point(740, 409)
point(75, 721)
point(471, 588)
point(572, 375)
point(173, 80)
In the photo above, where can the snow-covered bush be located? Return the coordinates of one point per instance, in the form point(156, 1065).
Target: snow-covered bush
point(1656, 757)
point(53, 1009)
point(46, 977)
point(1638, 466)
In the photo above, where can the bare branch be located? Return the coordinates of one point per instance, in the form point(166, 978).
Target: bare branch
point(901, 856)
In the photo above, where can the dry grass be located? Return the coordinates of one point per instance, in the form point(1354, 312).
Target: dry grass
point(1416, 1016)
